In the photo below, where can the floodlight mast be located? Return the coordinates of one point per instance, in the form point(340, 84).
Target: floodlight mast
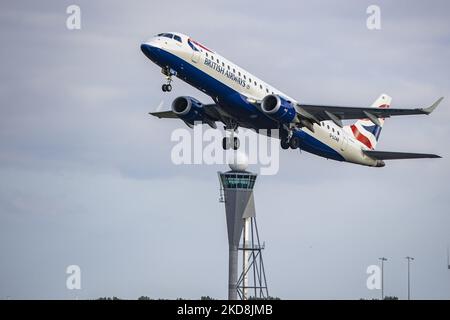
point(448, 258)
point(409, 277)
point(382, 259)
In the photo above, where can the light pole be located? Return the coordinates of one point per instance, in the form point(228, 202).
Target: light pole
point(448, 258)
point(383, 259)
point(409, 287)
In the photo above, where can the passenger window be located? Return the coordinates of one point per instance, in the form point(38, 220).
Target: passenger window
point(223, 64)
point(260, 86)
point(328, 127)
point(239, 73)
point(245, 77)
point(267, 90)
point(217, 61)
point(256, 83)
point(228, 67)
point(234, 71)
point(250, 80)
point(178, 38)
point(339, 133)
point(333, 129)
point(212, 57)
point(206, 53)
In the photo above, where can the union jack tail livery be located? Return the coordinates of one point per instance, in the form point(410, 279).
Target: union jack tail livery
point(368, 132)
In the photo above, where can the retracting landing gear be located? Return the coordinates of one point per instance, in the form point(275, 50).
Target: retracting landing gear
point(231, 142)
point(167, 87)
point(289, 140)
point(284, 144)
point(294, 142)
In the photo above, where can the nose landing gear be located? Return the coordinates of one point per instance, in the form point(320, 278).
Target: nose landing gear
point(166, 87)
point(168, 73)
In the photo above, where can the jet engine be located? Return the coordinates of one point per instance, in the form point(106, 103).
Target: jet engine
point(191, 110)
point(188, 109)
point(278, 108)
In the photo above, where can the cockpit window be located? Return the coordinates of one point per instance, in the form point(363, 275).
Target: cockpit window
point(166, 35)
point(178, 38)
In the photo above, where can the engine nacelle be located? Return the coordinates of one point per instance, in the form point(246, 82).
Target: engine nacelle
point(188, 109)
point(278, 108)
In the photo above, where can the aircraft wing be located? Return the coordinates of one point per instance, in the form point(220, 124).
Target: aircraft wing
point(210, 111)
point(164, 114)
point(319, 113)
point(387, 155)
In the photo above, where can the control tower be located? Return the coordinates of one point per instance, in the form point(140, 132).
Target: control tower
point(236, 191)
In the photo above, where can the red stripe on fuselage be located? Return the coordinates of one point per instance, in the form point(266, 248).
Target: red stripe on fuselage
point(360, 137)
point(201, 46)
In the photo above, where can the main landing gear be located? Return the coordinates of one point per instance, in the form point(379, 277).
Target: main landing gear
point(231, 142)
point(167, 87)
point(290, 141)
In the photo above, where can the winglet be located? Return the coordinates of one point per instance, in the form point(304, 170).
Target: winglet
point(431, 108)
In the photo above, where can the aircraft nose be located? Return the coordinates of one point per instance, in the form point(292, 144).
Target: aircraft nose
point(149, 50)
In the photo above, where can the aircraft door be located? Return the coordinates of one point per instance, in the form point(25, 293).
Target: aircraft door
point(195, 56)
point(344, 142)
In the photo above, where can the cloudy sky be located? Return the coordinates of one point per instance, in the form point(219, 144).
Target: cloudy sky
point(86, 176)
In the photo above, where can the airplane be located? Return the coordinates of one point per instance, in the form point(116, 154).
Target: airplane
point(243, 100)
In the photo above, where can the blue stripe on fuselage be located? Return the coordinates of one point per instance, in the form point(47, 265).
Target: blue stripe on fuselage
point(232, 101)
point(313, 145)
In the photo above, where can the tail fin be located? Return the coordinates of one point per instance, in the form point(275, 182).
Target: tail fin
point(365, 130)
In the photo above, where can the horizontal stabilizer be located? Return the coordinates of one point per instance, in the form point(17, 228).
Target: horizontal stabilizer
point(388, 155)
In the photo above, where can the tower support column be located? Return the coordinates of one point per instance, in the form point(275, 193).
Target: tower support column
point(232, 273)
